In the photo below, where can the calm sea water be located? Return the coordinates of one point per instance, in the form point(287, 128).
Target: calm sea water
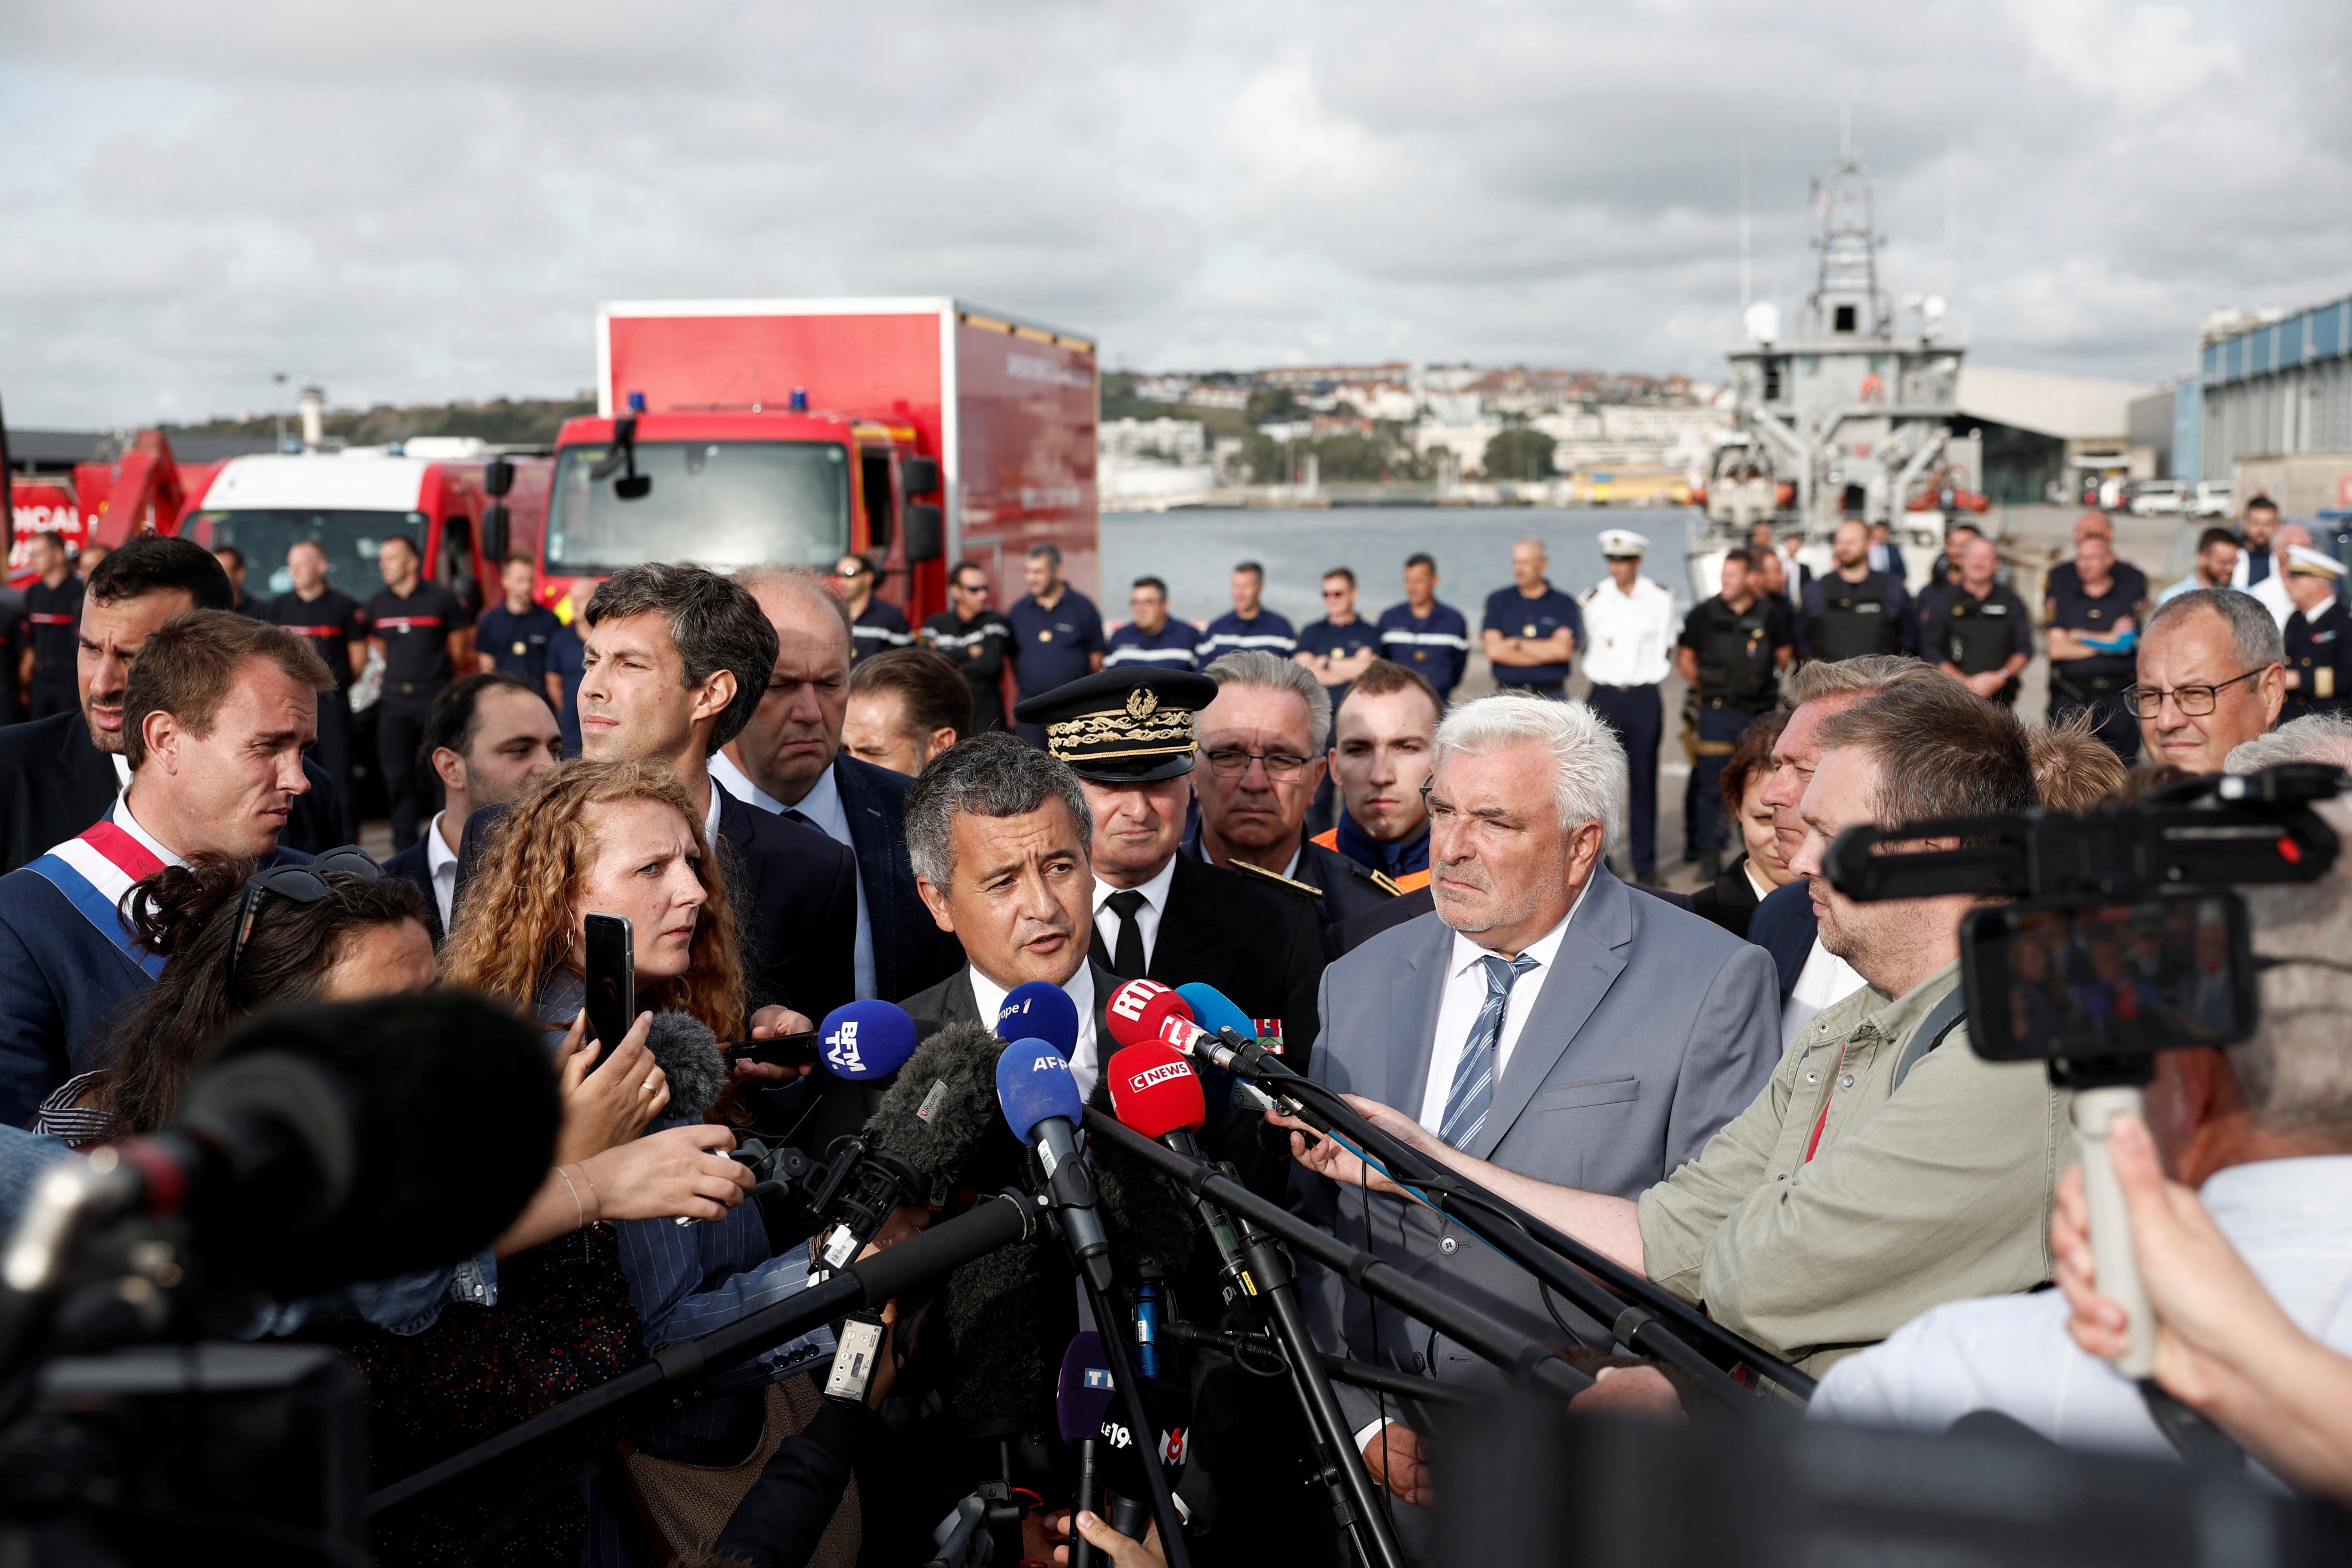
point(1195, 551)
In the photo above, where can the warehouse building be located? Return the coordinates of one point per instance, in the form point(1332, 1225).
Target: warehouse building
point(2272, 386)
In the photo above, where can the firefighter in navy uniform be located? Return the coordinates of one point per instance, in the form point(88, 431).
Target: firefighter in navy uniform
point(51, 632)
point(2091, 632)
point(1732, 650)
point(2318, 651)
point(1974, 629)
point(1857, 608)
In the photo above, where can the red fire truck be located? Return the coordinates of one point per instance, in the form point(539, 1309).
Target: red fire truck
point(918, 431)
point(143, 490)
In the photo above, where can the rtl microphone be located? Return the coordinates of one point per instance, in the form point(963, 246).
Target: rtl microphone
point(1155, 1091)
point(1042, 1107)
point(1036, 1010)
point(1081, 1405)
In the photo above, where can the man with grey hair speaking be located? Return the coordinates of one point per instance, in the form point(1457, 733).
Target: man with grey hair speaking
point(1543, 1017)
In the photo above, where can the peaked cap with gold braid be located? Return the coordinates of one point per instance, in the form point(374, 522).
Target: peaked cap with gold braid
point(1122, 726)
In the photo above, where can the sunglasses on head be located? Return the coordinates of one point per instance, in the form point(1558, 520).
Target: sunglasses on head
point(305, 884)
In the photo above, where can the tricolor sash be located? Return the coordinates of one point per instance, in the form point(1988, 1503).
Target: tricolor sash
point(94, 870)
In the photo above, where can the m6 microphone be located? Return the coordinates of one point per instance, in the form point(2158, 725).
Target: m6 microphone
point(1042, 1107)
point(1038, 1011)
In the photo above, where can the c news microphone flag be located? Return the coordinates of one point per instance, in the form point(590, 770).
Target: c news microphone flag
point(862, 1041)
point(1038, 1011)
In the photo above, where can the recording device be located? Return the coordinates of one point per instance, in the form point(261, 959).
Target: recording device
point(2127, 937)
point(610, 966)
point(798, 1051)
point(1081, 1410)
point(859, 1347)
point(1042, 1107)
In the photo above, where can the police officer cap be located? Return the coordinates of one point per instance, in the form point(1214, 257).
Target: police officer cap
point(2303, 561)
point(1622, 544)
point(1122, 726)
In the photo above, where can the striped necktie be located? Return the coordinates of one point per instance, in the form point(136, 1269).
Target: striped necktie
point(1473, 1073)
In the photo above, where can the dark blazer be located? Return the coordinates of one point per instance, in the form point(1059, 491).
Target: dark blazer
point(54, 783)
point(794, 892)
point(412, 864)
point(62, 984)
point(1728, 901)
point(1255, 941)
point(912, 952)
point(1344, 889)
point(1339, 940)
point(1783, 925)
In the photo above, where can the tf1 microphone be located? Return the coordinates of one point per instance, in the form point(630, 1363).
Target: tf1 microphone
point(1081, 1405)
point(1038, 1011)
point(863, 1041)
point(1042, 1107)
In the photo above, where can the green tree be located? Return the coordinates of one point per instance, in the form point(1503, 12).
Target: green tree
point(1522, 453)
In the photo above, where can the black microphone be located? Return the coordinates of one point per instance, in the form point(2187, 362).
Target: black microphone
point(687, 1053)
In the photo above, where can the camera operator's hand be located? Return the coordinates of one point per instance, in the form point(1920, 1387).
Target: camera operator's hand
point(904, 1221)
point(1124, 1551)
point(609, 1104)
point(1326, 1158)
point(1398, 1458)
point(766, 1025)
point(2223, 1344)
point(678, 1171)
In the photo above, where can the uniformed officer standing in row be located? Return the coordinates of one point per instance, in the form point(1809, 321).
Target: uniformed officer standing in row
point(2318, 653)
point(421, 629)
point(1975, 630)
point(978, 639)
point(2091, 632)
point(875, 624)
point(1057, 634)
point(1629, 626)
point(1532, 628)
point(52, 631)
point(1734, 647)
point(1858, 608)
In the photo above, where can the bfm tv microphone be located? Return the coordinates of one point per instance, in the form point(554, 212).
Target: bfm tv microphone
point(1042, 1107)
point(1154, 1091)
point(863, 1041)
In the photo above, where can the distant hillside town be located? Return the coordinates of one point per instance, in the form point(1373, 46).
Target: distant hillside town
point(1561, 435)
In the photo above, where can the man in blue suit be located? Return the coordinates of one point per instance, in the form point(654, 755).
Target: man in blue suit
point(789, 760)
point(215, 719)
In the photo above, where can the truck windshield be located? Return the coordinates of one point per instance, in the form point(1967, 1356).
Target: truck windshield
point(351, 540)
point(718, 503)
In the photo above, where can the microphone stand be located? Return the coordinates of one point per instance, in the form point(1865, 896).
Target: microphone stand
point(1640, 1315)
point(1528, 1361)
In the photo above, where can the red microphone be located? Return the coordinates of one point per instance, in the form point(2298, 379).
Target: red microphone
point(1145, 1011)
point(1154, 1090)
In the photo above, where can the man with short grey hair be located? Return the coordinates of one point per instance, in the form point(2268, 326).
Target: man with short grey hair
point(997, 833)
point(1544, 1017)
point(2211, 676)
point(1263, 752)
point(2313, 737)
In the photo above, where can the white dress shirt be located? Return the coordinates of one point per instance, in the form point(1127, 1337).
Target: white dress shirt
point(442, 862)
point(1764, 889)
point(1085, 1062)
point(130, 824)
point(1466, 995)
point(821, 805)
point(1629, 637)
point(2291, 1220)
point(1826, 978)
point(1147, 919)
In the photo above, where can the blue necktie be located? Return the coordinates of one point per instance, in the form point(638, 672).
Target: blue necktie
point(1474, 1074)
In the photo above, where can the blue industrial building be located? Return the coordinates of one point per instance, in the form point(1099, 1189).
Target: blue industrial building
point(2266, 389)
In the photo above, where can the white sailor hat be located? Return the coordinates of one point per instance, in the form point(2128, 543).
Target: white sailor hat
point(2303, 561)
point(1619, 543)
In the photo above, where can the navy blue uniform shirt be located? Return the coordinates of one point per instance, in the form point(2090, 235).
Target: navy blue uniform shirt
point(1169, 647)
point(1328, 640)
point(518, 643)
point(1436, 646)
point(1265, 631)
point(880, 625)
point(1050, 648)
point(566, 655)
point(1515, 614)
point(2071, 607)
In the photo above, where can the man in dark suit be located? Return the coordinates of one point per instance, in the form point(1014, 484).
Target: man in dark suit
point(789, 760)
point(487, 738)
point(676, 658)
point(61, 773)
point(215, 725)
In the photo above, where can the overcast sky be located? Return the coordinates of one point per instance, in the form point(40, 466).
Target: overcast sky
point(423, 202)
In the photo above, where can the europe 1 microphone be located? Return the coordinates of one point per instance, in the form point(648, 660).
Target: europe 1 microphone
point(1042, 1106)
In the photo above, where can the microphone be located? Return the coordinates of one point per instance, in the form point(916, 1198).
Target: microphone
point(1081, 1405)
point(863, 1041)
point(1213, 1010)
point(1042, 1107)
point(687, 1053)
point(1155, 1091)
point(1036, 1010)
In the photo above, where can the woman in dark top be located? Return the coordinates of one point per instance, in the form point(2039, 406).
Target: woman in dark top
point(1732, 897)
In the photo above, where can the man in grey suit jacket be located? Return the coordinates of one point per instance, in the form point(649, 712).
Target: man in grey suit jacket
point(1543, 1017)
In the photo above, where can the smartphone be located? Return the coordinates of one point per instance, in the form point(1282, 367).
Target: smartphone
point(2084, 979)
point(612, 973)
point(800, 1051)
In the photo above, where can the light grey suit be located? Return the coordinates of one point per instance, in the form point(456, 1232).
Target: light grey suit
point(1653, 1029)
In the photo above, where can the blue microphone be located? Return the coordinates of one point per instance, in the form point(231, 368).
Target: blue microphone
point(862, 1041)
point(1042, 1106)
point(1036, 1010)
point(1213, 1010)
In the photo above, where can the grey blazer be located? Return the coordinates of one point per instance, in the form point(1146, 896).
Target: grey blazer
point(1653, 1029)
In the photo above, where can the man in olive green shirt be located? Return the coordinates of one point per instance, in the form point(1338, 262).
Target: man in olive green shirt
point(1842, 1202)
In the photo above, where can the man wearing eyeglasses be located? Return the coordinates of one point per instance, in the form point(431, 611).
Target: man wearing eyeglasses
point(2211, 676)
point(1341, 647)
point(874, 623)
point(1263, 739)
point(217, 713)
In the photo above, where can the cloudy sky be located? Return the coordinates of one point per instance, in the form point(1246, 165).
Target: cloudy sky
point(423, 202)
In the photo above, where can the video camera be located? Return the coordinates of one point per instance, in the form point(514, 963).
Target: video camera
point(2124, 935)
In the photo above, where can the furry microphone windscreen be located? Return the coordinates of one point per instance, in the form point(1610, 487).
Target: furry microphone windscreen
point(941, 1116)
point(689, 1055)
point(1148, 1217)
point(998, 1309)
